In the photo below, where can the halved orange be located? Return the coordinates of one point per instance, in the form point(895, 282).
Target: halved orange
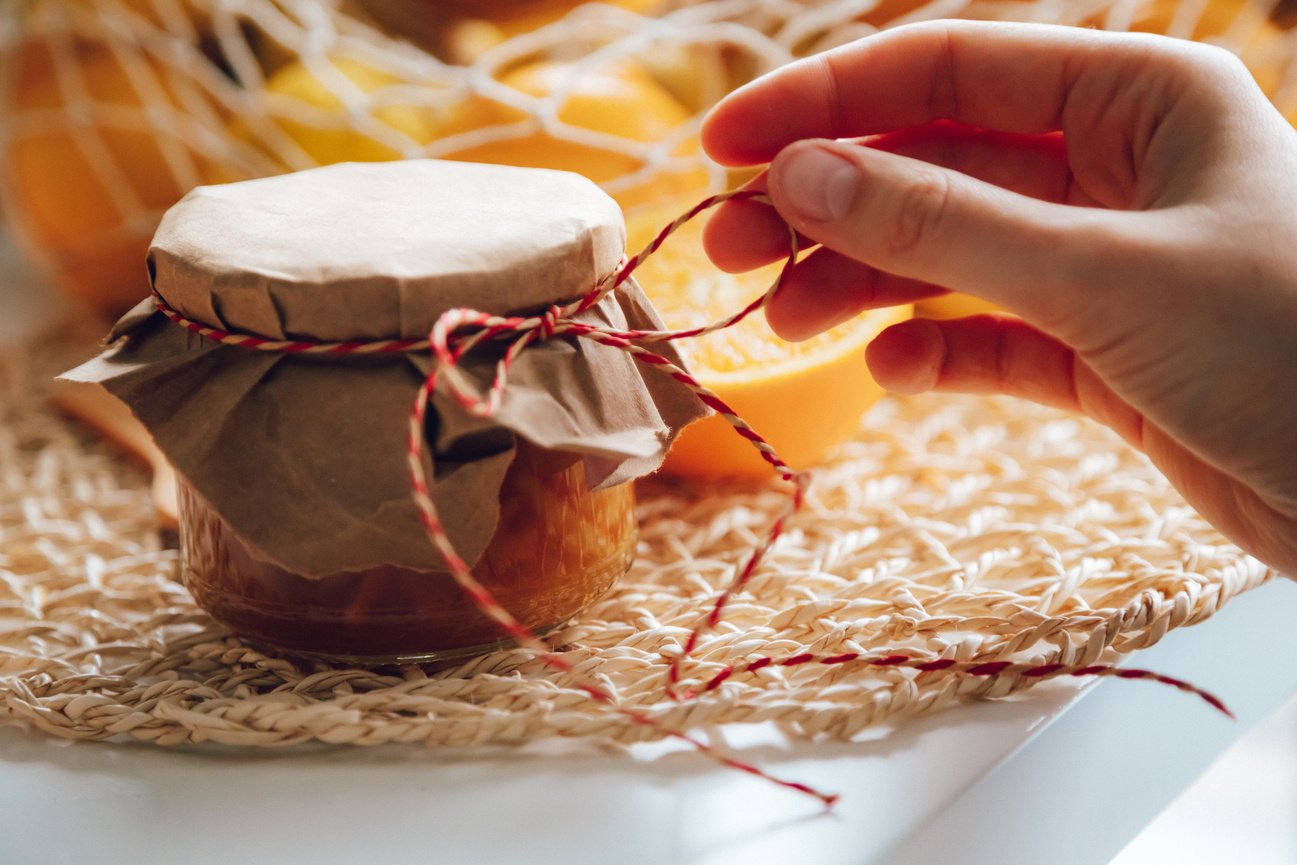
point(804, 398)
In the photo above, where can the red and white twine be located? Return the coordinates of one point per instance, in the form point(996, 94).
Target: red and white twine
point(458, 331)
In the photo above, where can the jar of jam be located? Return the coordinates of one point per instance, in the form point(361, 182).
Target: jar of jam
point(297, 526)
point(558, 546)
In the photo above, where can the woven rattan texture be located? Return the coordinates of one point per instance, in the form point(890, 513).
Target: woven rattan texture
point(972, 528)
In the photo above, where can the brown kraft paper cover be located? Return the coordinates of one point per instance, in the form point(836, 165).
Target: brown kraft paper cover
point(304, 456)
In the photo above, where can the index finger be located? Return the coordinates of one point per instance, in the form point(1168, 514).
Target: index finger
point(1007, 77)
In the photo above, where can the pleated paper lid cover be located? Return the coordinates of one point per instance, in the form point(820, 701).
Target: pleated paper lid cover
point(304, 457)
point(378, 250)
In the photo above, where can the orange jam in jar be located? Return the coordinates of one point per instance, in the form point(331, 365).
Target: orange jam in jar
point(558, 547)
point(279, 372)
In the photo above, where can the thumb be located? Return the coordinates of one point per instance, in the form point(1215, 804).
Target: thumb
point(917, 220)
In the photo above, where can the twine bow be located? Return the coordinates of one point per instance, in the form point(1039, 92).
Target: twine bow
point(459, 331)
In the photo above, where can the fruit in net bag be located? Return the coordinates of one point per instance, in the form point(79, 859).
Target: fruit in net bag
point(97, 148)
point(601, 119)
point(349, 109)
point(306, 99)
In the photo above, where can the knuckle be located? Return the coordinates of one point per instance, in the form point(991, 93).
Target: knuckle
point(1216, 58)
point(919, 213)
point(1204, 64)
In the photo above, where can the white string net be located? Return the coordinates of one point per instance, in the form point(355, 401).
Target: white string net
point(111, 109)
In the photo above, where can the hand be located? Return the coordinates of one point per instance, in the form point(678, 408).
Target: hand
point(1132, 199)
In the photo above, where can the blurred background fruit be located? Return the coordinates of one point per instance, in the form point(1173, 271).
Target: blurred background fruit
point(607, 121)
point(605, 110)
point(314, 115)
point(89, 172)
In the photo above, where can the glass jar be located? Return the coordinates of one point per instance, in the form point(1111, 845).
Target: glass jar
point(558, 546)
point(298, 528)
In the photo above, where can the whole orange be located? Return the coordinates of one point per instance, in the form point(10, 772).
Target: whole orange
point(327, 131)
point(86, 173)
point(619, 102)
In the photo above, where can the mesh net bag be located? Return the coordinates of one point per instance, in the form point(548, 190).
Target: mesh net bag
point(112, 109)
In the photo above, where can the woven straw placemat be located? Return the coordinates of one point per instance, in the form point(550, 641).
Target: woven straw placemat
point(967, 528)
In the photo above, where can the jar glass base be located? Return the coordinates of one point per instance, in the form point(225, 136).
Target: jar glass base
point(438, 657)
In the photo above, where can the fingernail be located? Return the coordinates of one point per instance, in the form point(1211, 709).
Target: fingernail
point(818, 183)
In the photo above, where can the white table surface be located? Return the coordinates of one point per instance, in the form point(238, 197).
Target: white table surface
point(1067, 773)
